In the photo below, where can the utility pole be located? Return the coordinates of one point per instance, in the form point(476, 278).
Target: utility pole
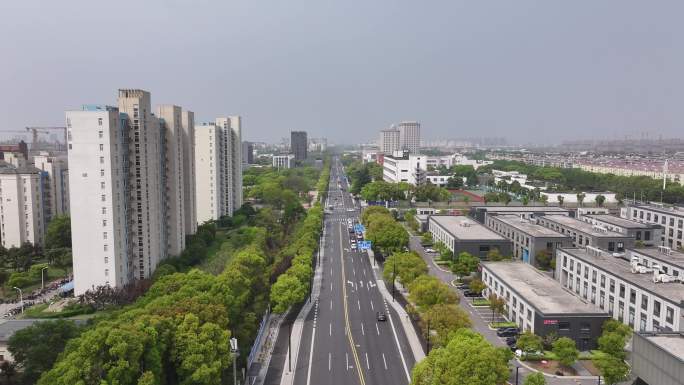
point(517, 368)
point(235, 351)
point(289, 346)
point(394, 276)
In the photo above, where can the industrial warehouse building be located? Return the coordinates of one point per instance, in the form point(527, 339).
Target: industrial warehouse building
point(538, 303)
point(463, 234)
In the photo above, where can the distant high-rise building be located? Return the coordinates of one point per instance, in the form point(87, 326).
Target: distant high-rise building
point(247, 153)
point(299, 144)
point(189, 205)
point(22, 203)
point(218, 167)
point(409, 136)
point(57, 172)
point(389, 141)
point(128, 182)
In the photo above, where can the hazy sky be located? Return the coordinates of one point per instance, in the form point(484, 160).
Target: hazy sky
point(532, 71)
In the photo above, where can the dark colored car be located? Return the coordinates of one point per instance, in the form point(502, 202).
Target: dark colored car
point(469, 293)
point(510, 341)
point(381, 316)
point(463, 286)
point(508, 332)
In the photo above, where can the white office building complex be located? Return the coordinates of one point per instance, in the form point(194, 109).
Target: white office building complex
point(283, 161)
point(404, 168)
point(670, 217)
point(22, 210)
point(409, 136)
point(127, 188)
point(218, 168)
point(389, 141)
point(631, 289)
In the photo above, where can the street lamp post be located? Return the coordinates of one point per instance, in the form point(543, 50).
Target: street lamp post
point(235, 351)
point(42, 278)
point(428, 336)
point(289, 346)
point(517, 368)
point(394, 276)
point(21, 299)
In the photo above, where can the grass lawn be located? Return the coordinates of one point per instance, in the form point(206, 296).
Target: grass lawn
point(480, 302)
point(496, 325)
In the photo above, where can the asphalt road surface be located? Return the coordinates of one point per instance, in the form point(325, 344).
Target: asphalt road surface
point(348, 345)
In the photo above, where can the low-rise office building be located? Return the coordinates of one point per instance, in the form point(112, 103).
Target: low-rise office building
point(461, 234)
point(480, 213)
point(538, 303)
point(670, 217)
point(658, 358)
point(527, 237)
point(422, 221)
point(649, 234)
point(283, 161)
point(404, 167)
point(586, 234)
point(670, 261)
point(642, 297)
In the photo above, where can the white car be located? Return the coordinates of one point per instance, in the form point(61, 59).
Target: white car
point(429, 250)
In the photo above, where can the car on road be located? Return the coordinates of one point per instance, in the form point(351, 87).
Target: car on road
point(350, 210)
point(381, 316)
point(462, 286)
point(429, 250)
point(470, 293)
point(508, 332)
point(510, 341)
point(353, 246)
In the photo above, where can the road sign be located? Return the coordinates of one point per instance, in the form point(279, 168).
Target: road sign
point(359, 228)
point(364, 245)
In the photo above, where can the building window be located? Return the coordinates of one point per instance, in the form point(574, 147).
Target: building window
point(104, 210)
point(99, 121)
point(104, 223)
point(102, 160)
point(669, 315)
point(644, 302)
point(642, 323)
point(622, 290)
point(104, 235)
point(104, 248)
point(656, 308)
point(563, 325)
point(632, 296)
point(631, 317)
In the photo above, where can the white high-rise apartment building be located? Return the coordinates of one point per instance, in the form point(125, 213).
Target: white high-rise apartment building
point(190, 205)
point(22, 213)
point(101, 224)
point(389, 141)
point(218, 168)
point(57, 199)
point(409, 136)
point(126, 173)
point(174, 210)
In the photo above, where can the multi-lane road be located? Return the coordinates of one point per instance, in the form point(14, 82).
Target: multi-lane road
point(342, 341)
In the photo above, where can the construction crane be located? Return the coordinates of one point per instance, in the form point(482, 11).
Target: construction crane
point(36, 130)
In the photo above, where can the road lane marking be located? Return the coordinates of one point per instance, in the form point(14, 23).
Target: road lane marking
point(367, 362)
point(372, 307)
point(346, 355)
point(330, 329)
point(363, 332)
point(384, 360)
point(331, 289)
point(311, 349)
point(359, 371)
point(401, 354)
point(330, 362)
point(364, 272)
point(330, 304)
point(377, 329)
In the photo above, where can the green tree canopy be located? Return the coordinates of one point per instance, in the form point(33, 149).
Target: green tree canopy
point(566, 351)
point(58, 233)
point(427, 291)
point(35, 348)
point(444, 319)
point(535, 379)
point(407, 267)
point(466, 359)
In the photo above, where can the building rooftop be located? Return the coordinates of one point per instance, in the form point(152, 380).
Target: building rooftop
point(422, 217)
point(582, 226)
point(620, 222)
point(465, 228)
point(671, 257)
point(665, 209)
point(19, 170)
point(672, 343)
point(528, 227)
point(620, 267)
point(503, 209)
point(542, 292)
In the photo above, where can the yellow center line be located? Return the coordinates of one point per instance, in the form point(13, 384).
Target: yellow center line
point(359, 370)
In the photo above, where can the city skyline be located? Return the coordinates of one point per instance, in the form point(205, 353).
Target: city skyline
point(528, 72)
